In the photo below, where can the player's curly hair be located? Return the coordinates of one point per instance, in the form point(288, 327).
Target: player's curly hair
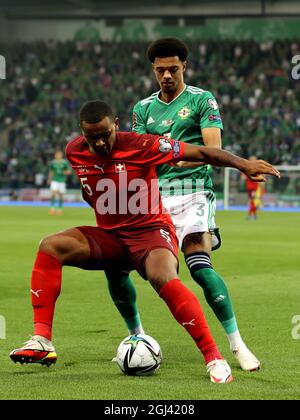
point(95, 111)
point(167, 47)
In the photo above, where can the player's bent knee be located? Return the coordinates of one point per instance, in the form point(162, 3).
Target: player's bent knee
point(65, 244)
point(161, 267)
point(54, 244)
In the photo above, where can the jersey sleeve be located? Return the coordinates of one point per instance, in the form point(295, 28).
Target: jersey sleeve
point(209, 114)
point(138, 120)
point(152, 150)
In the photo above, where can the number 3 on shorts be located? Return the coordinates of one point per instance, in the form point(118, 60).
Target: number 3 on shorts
point(200, 210)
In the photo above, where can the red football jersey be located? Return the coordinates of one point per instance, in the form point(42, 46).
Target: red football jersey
point(251, 185)
point(123, 187)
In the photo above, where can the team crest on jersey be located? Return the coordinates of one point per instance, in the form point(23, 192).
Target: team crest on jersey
point(165, 145)
point(184, 112)
point(120, 167)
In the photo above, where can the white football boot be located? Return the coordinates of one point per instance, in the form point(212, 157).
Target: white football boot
point(246, 359)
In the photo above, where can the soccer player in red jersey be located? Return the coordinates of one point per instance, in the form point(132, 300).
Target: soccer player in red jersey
point(255, 191)
point(118, 177)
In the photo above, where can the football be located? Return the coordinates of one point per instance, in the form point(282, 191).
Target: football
point(139, 355)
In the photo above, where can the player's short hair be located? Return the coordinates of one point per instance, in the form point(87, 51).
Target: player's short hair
point(167, 47)
point(95, 111)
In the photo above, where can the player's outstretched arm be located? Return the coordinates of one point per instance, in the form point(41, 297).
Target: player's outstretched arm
point(218, 157)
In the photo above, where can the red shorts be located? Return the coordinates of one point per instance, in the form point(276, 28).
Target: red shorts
point(251, 193)
point(126, 250)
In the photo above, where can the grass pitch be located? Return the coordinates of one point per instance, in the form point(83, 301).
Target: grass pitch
point(259, 261)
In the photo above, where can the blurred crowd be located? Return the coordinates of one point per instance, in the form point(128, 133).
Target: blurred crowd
point(47, 82)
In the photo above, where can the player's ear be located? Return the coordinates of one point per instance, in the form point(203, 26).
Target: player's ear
point(183, 66)
point(117, 123)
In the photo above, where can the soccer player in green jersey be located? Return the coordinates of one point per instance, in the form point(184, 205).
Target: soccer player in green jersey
point(189, 114)
point(58, 172)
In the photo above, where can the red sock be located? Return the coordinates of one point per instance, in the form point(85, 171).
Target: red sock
point(45, 289)
point(187, 311)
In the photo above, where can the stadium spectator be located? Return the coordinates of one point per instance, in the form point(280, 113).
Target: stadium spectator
point(45, 85)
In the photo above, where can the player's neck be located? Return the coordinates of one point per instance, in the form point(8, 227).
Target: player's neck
point(169, 97)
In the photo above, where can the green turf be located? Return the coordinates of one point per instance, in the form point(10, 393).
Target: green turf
point(260, 262)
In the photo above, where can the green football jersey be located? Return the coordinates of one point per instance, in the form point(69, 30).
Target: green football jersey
point(181, 119)
point(58, 167)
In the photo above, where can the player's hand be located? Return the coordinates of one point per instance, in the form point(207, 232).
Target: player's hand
point(256, 169)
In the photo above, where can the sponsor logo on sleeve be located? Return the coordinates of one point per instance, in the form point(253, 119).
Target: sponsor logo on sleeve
point(213, 104)
point(176, 149)
point(164, 145)
point(134, 120)
point(214, 117)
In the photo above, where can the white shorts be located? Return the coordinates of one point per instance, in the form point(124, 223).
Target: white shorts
point(193, 213)
point(59, 187)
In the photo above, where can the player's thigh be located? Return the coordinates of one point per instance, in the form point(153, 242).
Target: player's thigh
point(106, 251)
point(191, 214)
point(160, 266)
point(53, 187)
point(71, 247)
point(62, 188)
point(86, 247)
point(141, 242)
point(197, 242)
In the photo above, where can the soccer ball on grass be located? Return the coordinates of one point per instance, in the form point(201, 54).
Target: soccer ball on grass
point(139, 355)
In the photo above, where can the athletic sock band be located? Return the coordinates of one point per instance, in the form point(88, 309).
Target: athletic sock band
point(198, 260)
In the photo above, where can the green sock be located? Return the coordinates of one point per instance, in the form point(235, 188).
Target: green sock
point(123, 294)
point(217, 296)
